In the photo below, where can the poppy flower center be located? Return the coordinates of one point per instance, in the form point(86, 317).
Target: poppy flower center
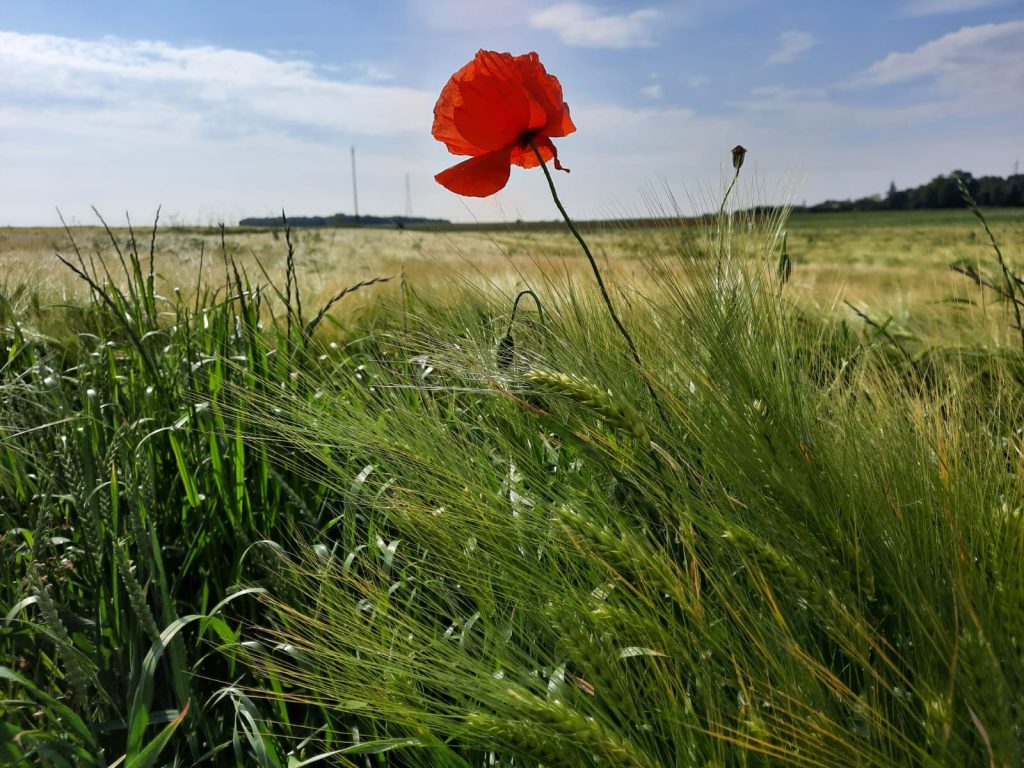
point(526, 138)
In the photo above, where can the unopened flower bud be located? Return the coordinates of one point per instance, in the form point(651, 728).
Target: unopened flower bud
point(785, 266)
point(738, 153)
point(506, 347)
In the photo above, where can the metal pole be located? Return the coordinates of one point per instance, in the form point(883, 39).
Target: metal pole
point(355, 190)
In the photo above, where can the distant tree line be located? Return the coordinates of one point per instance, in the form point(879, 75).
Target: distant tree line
point(341, 220)
point(940, 192)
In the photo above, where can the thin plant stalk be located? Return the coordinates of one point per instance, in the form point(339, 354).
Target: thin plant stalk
point(725, 236)
point(600, 281)
point(1011, 291)
point(728, 191)
point(515, 308)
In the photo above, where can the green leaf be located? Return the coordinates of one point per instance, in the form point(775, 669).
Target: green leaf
point(60, 711)
point(380, 745)
point(187, 480)
point(148, 755)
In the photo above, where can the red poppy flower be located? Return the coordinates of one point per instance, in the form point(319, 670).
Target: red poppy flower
point(491, 110)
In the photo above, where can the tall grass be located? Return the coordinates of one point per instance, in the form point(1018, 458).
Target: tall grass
point(132, 510)
point(229, 542)
point(814, 561)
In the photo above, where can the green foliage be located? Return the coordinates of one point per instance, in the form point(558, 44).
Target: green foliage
point(131, 507)
point(813, 560)
point(228, 544)
point(940, 192)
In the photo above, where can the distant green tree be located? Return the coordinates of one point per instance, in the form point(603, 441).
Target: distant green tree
point(895, 199)
point(940, 192)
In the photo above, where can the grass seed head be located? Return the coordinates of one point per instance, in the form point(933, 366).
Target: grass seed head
point(612, 411)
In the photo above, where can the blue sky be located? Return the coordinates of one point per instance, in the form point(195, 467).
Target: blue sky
point(225, 109)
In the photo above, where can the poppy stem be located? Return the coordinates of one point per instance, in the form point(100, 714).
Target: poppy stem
point(725, 226)
point(600, 281)
point(728, 192)
point(515, 307)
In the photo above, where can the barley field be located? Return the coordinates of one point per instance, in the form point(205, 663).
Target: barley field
point(372, 498)
point(888, 260)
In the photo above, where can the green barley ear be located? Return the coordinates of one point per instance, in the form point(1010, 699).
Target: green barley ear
point(525, 739)
point(796, 579)
point(628, 555)
point(938, 725)
point(586, 732)
point(601, 402)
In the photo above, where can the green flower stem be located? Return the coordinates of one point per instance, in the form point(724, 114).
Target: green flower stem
point(728, 192)
point(600, 280)
point(725, 228)
point(515, 307)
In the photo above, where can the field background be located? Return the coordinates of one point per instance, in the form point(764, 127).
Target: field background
point(894, 263)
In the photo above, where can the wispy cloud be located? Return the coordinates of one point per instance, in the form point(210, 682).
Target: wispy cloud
point(371, 72)
point(941, 7)
point(221, 85)
point(587, 26)
point(211, 133)
point(791, 44)
point(652, 91)
point(980, 66)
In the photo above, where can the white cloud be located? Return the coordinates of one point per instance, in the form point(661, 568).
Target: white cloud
point(207, 132)
point(939, 7)
point(585, 26)
point(372, 72)
point(220, 85)
point(791, 44)
point(814, 107)
point(652, 91)
point(216, 134)
point(978, 67)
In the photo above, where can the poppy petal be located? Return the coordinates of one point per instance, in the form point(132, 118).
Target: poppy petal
point(495, 109)
point(479, 176)
point(562, 126)
point(483, 107)
point(527, 158)
point(546, 93)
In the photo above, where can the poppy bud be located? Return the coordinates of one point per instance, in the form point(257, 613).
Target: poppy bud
point(738, 153)
point(504, 352)
point(785, 266)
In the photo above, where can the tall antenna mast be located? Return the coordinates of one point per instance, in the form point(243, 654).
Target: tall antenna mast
point(408, 197)
point(355, 189)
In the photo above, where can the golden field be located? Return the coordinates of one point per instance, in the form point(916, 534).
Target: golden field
point(890, 264)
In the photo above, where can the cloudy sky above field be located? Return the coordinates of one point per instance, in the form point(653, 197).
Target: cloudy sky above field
point(220, 110)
